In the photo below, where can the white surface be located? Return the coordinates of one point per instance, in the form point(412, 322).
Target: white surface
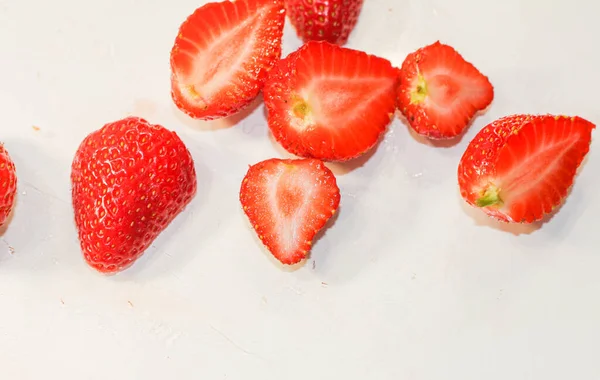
point(409, 283)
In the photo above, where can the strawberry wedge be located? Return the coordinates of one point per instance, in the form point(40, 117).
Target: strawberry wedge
point(288, 202)
point(329, 102)
point(520, 168)
point(440, 92)
point(222, 54)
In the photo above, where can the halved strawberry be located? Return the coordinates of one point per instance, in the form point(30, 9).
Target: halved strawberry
point(222, 54)
point(520, 167)
point(440, 92)
point(288, 202)
point(329, 102)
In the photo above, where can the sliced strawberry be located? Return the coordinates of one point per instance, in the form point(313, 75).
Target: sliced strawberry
point(440, 92)
point(324, 20)
point(288, 202)
point(222, 54)
point(329, 102)
point(520, 167)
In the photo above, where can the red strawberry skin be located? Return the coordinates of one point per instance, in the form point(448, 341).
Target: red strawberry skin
point(129, 180)
point(8, 187)
point(440, 92)
point(521, 167)
point(288, 201)
point(221, 56)
point(324, 20)
point(329, 102)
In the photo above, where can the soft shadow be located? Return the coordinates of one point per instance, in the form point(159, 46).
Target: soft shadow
point(158, 260)
point(337, 167)
point(168, 253)
point(218, 124)
point(349, 249)
point(280, 150)
point(482, 219)
point(276, 263)
point(341, 168)
point(559, 224)
point(440, 143)
point(584, 162)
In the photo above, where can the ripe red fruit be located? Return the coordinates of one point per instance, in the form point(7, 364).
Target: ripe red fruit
point(8, 185)
point(130, 179)
point(288, 202)
point(329, 102)
point(440, 92)
point(222, 54)
point(324, 20)
point(520, 167)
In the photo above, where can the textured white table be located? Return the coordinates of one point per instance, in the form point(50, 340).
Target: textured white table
point(408, 284)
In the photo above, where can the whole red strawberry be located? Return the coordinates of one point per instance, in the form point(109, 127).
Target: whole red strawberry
point(221, 56)
point(440, 92)
point(329, 102)
point(130, 179)
point(288, 202)
point(324, 20)
point(520, 167)
point(8, 185)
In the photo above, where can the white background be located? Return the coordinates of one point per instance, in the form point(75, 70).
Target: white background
point(409, 283)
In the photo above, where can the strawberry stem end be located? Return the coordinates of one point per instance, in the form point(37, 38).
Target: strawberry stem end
point(490, 197)
point(419, 94)
point(301, 109)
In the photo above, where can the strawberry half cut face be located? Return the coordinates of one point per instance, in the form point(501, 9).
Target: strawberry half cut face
point(222, 54)
point(329, 102)
point(440, 92)
point(519, 168)
point(287, 203)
